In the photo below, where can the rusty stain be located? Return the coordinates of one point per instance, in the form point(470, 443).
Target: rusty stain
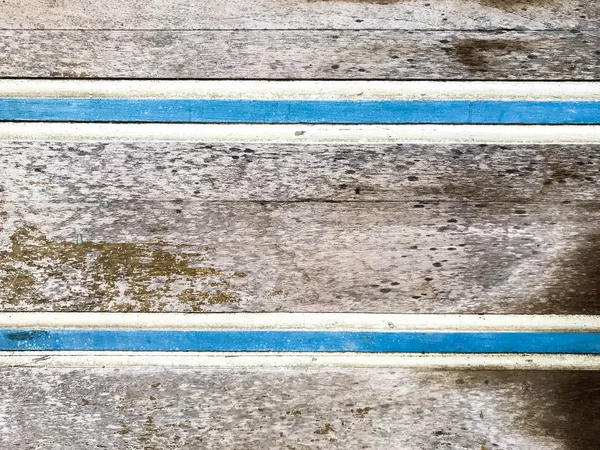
point(475, 54)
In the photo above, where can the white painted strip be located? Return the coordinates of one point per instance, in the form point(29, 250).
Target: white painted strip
point(299, 360)
point(303, 90)
point(298, 321)
point(284, 133)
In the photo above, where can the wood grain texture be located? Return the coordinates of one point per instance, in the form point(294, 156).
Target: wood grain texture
point(281, 54)
point(300, 14)
point(292, 409)
point(401, 257)
point(56, 171)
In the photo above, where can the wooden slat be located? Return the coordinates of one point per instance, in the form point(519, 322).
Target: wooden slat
point(402, 257)
point(286, 408)
point(300, 14)
point(277, 54)
point(167, 171)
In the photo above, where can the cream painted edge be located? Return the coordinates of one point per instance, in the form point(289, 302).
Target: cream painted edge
point(298, 321)
point(302, 90)
point(299, 133)
point(306, 361)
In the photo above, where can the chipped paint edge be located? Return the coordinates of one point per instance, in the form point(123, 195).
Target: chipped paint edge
point(302, 90)
point(298, 321)
point(61, 359)
point(297, 133)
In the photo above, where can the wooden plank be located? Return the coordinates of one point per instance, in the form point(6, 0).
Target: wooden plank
point(298, 409)
point(300, 14)
point(401, 257)
point(56, 171)
point(281, 54)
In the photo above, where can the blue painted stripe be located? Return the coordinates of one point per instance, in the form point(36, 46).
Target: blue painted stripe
point(299, 111)
point(300, 341)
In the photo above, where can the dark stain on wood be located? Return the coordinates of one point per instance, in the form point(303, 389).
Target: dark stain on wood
point(478, 55)
point(376, 2)
point(506, 5)
point(574, 286)
point(512, 5)
point(576, 164)
point(560, 405)
point(565, 406)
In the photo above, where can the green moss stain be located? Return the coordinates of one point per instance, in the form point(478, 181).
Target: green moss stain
point(196, 300)
point(149, 430)
point(361, 412)
point(17, 282)
point(325, 429)
point(159, 229)
point(107, 276)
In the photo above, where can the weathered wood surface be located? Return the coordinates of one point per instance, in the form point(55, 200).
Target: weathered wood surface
point(300, 14)
point(167, 171)
point(281, 54)
point(291, 409)
point(402, 257)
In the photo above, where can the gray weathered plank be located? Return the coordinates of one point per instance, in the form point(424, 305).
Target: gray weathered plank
point(300, 14)
point(101, 171)
point(290, 409)
point(401, 257)
point(281, 54)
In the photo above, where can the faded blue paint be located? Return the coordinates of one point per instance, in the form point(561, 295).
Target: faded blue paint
point(301, 341)
point(299, 111)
